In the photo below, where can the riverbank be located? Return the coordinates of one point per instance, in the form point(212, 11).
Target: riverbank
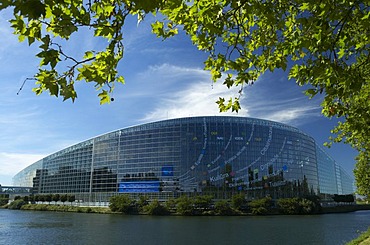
point(345, 208)
point(363, 239)
point(66, 208)
point(107, 210)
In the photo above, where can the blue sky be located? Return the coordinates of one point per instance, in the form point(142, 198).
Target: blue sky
point(164, 79)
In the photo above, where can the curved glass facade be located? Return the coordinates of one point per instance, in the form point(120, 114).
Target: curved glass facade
point(197, 155)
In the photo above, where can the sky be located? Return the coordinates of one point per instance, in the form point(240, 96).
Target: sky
point(163, 80)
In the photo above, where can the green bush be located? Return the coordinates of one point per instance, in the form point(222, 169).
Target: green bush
point(316, 203)
point(155, 208)
point(71, 198)
point(184, 205)
point(238, 201)
point(222, 207)
point(4, 201)
point(64, 198)
point(41, 198)
point(31, 198)
point(306, 206)
point(203, 202)
point(171, 204)
point(297, 206)
point(142, 202)
point(259, 210)
point(121, 203)
point(26, 199)
point(48, 198)
point(289, 205)
point(260, 206)
point(55, 197)
point(17, 204)
point(36, 198)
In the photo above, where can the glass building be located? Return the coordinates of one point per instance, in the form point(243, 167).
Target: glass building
point(217, 156)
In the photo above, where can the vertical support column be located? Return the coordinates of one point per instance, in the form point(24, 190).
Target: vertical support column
point(91, 170)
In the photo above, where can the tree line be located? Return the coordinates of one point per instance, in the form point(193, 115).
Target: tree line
point(189, 206)
point(48, 198)
point(206, 205)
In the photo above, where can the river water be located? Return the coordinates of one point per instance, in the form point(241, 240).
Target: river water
point(32, 227)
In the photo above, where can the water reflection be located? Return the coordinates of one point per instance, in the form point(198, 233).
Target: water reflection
point(25, 227)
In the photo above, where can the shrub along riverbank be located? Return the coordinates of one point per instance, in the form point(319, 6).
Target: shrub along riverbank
point(65, 208)
point(184, 205)
point(205, 205)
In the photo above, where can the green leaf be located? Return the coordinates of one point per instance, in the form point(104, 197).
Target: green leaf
point(311, 92)
point(341, 53)
point(50, 56)
point(88, 55)
point(104, 97)
point(305, 6)
point(33, 9)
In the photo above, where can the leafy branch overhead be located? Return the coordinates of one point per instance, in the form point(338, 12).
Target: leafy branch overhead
point(324, 44)
point(51, 22)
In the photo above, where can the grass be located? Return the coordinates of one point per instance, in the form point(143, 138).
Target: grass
point(363, 239)
point(66, 208)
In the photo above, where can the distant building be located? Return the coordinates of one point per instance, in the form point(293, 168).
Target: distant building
point(217, 156)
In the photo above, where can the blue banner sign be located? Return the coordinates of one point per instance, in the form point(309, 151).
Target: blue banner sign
point(138, 187)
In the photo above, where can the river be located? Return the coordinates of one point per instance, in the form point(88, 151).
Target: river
point(32, 227)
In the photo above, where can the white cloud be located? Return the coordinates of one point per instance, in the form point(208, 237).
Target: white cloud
point(292, 115)
point(12, 163)
point(281, 101)
point(192, 93)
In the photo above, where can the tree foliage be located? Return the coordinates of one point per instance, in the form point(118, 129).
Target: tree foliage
point(142, 202)
point(323, 44)
point(203, 202)
point(362, 172)
point(17, 204)
point(63, 198)
point(155, 208)
point(260, 206)
point(297, 205)
point(51, 22)
point(222, 207)
point(48, 198)
point(185, 205)
point(121, 203)
point(71, 198)
point(56, 197)
point(238, 201)
point(4, 199)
